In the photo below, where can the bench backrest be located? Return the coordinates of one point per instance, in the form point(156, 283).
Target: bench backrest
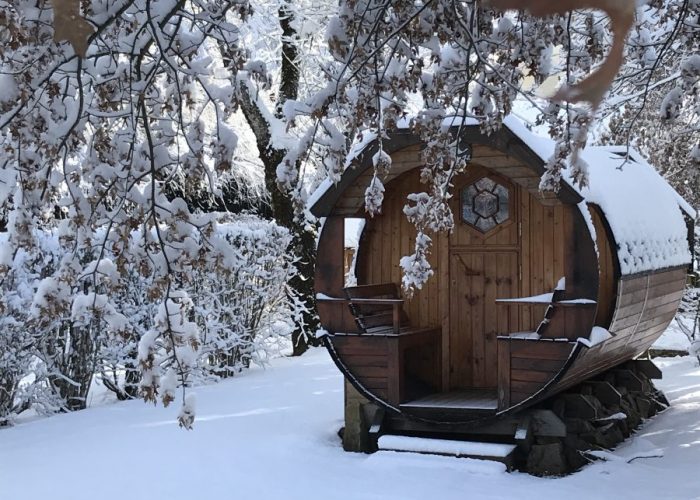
point(375, 316)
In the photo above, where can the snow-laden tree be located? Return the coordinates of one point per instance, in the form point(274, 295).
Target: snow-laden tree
point(117, 131)
point(436, 63)
point(431, 64)
point(114, 116)
point(655, 102)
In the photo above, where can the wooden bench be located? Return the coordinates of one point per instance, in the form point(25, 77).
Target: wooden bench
point(562, 317)
point(381, 320)
point(377, 309)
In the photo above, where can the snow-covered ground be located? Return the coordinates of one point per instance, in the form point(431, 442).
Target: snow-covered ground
point(673, 339)
point(271, 434)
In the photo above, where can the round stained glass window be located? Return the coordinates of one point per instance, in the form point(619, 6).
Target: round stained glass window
point(485, 204)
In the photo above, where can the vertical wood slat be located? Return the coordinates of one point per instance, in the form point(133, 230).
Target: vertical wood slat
point(329, 278)
point(395, 362)
point(477, 314)
point(536, 252)
point(503, 374)
point(443, 293)
point(444, 305)
point(548, 248)
point(524, 275)
point(607, 288)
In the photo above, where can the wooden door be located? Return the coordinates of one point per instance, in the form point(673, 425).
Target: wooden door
point(477, 279)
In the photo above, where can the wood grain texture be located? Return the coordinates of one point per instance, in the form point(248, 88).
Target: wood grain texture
point(541, 242)
point(636, 328)
point(510, 262)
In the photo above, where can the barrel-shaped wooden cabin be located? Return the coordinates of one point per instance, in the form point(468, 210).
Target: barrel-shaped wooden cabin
point(532, 293)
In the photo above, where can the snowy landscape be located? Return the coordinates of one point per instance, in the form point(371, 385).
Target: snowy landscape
point(355, 249)
point(273, 434)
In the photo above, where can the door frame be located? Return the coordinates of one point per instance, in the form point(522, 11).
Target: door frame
point(474, 173)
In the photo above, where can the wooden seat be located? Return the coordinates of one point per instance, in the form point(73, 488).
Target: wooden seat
point(378, 309)
point(569, 324)
point(412, 355)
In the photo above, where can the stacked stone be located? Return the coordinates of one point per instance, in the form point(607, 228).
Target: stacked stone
point(599, 414)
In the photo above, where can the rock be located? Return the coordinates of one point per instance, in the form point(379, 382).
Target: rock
point(610, 436)
point(580, 406)
point(578, 425)
point(547, 460)
point(559, 407)
point(573, 446)
point(547, 440)
point(606, 437)
point(645, 407)
point(630, 409)
point(624, 428)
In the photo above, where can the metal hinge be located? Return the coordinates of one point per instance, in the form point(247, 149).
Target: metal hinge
point(520, 272)
point(520, 229)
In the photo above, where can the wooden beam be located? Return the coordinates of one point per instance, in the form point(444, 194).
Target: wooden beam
point(329, 278)
point(503, 374)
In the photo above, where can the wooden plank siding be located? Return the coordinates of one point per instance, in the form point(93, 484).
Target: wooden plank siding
point(608, 269)
point(532, 364)
point(520, 257)
point(368, 360)
point(541, 242)
point(650, 303)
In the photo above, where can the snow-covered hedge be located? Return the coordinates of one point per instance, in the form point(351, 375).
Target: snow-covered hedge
point(52, 346)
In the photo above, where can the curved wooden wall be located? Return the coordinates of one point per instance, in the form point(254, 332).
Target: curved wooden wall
point(536, 234)
point(551, 241)
point(645, 306)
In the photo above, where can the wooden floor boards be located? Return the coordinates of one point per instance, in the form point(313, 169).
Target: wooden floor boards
point(467, 399)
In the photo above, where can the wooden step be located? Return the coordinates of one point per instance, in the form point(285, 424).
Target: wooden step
point(496, 452)
point(454, 406)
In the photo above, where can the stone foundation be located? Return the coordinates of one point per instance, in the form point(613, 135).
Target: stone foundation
point(599, 414)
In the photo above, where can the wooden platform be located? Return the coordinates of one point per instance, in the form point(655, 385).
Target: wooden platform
point(454, 404)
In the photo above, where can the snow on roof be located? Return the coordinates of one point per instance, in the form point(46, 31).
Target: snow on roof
point(643, 210)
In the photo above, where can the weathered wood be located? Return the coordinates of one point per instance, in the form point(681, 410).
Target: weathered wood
point(530, 376)
point(329, 277)
point(609, 269)
point(541, 349)
point(504, 369)
point(528, 388)
point(543, 239)
point(370, 371)
point(550, 366)
point(366, 360)
point(376, 306)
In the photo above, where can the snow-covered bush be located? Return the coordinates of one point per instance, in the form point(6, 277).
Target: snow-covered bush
point(239, 309)
point(66, 320)
point(24, 380)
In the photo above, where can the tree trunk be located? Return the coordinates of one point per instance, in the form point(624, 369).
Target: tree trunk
point(303, 244)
